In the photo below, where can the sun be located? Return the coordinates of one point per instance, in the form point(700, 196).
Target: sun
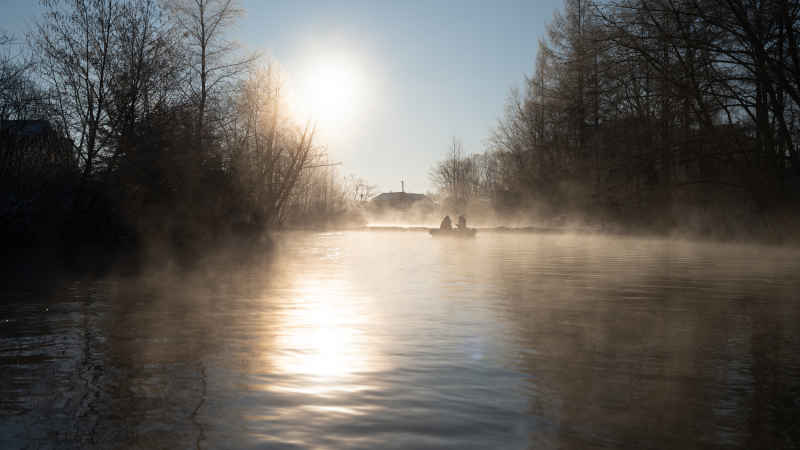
point(333, 90)
point(330, 94)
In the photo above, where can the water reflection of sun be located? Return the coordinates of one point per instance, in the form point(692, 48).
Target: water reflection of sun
point(322, 333)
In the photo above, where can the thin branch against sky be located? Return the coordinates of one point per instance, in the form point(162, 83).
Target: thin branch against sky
point(430, 71)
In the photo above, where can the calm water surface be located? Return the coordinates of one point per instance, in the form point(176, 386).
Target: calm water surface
point(400, 340)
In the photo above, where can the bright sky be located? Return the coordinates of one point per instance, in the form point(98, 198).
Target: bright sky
point(389, 82)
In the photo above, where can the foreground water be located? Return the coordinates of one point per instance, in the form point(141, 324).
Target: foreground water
point(400, 340)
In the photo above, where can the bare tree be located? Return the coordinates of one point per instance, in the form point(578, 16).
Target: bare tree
point(20, 96)
point(146, 66)
point(457, 176)
point(268, 154)
point(75, 41)
point(203, 24)
point(357, 189)
point(10, 69)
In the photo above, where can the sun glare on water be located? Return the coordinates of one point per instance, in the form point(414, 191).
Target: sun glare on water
point(322, 334)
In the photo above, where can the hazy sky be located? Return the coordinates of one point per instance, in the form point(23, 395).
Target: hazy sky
point(420, 72)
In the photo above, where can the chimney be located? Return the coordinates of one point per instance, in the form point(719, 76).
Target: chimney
point(402, 186)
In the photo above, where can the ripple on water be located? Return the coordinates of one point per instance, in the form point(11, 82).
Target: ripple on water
point(398, 340)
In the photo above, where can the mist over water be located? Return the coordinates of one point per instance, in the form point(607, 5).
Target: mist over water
point(151, 168)
point(373, 339)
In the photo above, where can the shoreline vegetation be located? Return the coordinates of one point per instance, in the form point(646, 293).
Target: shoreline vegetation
point(650, 117)
point(165, 143)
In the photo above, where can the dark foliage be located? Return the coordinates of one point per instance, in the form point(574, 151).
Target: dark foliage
point(655, 115)
point(131, 134)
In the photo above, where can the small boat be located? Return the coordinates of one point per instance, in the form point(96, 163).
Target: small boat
point(455, 232)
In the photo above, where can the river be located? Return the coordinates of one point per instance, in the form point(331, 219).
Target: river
point(399, 340)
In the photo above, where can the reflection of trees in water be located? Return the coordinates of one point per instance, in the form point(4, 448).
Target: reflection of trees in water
point(664, 355)
point(49, 362)
point(166, 338)
point(121, 361)
point(774, 421)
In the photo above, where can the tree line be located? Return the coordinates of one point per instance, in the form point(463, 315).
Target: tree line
point(157, 126)
point(651, 113)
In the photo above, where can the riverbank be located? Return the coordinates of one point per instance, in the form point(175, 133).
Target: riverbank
point(130, 257)
point(770, 236)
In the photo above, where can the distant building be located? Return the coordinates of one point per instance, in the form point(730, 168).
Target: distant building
point(33, 145)
point(401, 201)
point(27, 128)
point(32, 154)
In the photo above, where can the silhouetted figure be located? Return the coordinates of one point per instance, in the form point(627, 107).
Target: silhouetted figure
point(462, 223)
point(446, 224)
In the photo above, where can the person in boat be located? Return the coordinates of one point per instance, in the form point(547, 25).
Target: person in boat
point(446, 224)
point(462, 222)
